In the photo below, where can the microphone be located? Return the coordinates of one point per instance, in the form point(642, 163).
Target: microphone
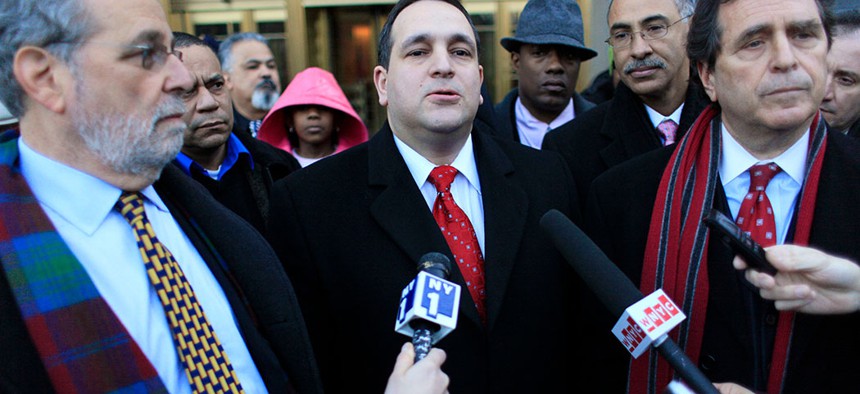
point(614, 289)
point(429, 304)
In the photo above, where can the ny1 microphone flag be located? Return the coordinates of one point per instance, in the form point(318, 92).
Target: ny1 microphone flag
point(431, 298)
point(647, 321)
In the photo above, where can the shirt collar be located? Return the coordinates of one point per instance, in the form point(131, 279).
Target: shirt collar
point(235, 150)
point(736, 160)
point(657, 118)
point(525, 119)
point(420, 167)
point(81, 199)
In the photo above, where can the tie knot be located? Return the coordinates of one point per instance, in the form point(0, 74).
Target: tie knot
point(668, 129)
point(130, 205)
point(761, 174)
point(442, 176)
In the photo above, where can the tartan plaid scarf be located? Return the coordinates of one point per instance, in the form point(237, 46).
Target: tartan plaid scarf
point(82, 344)
point(676, 253)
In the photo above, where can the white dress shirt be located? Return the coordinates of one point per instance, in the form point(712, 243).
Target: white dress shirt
point(466, 188)
point(531, 130)
point(657, 118)
point(782, 190)
point(80, 207)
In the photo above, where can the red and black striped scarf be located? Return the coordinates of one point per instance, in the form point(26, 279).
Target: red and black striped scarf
point(676, 253)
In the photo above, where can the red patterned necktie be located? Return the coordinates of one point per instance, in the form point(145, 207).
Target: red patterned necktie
point(206, 364)
point(756, 214)
point(668, 128)
point(460, 235)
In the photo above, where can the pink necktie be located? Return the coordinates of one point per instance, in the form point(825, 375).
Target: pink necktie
point(756, 214)
point(460, 236)
point(668, 128)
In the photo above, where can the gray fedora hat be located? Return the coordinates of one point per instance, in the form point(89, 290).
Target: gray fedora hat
point(841, 6)
point(550, 22)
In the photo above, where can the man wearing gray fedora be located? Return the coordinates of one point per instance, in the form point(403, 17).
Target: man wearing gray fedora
point(545, 53)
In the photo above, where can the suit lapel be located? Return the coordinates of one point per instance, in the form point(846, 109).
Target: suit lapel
point(244, 277)
point(505, 209)
point(399, 208)
point(836, 202)
point(628, 127)
point(726, 281)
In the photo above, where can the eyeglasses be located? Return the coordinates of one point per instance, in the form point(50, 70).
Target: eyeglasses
point(151, 55)
point(623, 39)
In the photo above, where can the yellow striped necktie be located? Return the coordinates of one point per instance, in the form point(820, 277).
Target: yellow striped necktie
point(206, 364)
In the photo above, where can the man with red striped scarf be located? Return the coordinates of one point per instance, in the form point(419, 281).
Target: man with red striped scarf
point(762, 155)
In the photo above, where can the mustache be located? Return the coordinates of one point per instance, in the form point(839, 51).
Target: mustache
point(266, 84)
point(647, 62)
point(789, 81)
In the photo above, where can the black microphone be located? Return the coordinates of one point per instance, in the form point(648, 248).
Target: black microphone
point(429, 304)
point(613, 288)
point(436, 264)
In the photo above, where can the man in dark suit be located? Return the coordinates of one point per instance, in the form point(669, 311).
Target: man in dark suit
point(763, 65)
point(654, 93)
point(92, 222)
point(545, 53)
point(841, 105)
point(352, 228)
point(237, 169)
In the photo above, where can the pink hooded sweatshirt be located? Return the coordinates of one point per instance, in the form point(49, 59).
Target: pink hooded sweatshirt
point(313, 86)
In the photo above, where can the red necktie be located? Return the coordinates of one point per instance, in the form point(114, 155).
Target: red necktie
point(668, 128)
point(756, 214)
point(460, 235)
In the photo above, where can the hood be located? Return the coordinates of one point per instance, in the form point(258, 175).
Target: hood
point(313, 86)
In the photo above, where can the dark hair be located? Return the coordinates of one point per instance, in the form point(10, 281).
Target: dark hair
point(383, 54)
point(703, 39)
point(184, 40)
point(846, 22)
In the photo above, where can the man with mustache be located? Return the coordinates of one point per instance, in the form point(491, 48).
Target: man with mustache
point(654, 103)
point(841, 105)
point(351, 228)
point(238, 170)
point(546, 53)
point(762, 155)
point(255, 84)
point(118, 272)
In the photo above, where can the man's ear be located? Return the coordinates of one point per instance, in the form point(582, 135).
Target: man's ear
point(380, 80)
point(228, 81)
point(44, 78)
point(515, 60)
point(706, 74)
point(481, 73)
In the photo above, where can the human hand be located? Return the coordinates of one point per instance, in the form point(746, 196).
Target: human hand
point(426, 376)
point(732, 388)
point(807, 280)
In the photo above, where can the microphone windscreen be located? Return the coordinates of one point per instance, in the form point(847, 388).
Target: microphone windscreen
point(435, 263)
point(601, 275)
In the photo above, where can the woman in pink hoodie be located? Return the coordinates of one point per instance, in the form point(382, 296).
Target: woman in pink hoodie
point(313, 118)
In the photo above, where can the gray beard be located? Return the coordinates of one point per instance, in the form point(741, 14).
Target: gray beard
point(264, 99)
point(129, 143)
